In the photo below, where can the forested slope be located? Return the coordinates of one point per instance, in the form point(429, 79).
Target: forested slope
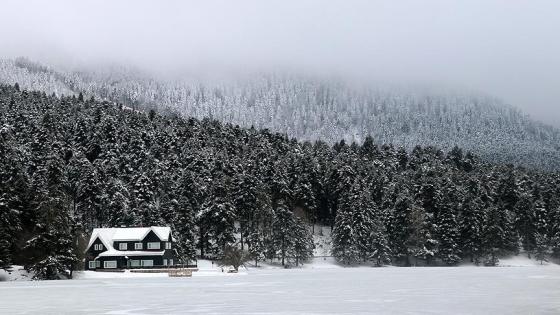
point(68, 165)
point(314, 108)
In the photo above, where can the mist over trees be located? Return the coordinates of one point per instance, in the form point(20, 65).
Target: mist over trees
point(71, 164)
point(313, 108)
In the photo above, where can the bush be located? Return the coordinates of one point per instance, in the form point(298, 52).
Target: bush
point(234, 257)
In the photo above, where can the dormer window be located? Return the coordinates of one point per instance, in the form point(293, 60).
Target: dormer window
point(98, 247)
point(167, 245)
point(123, 246)
point(138, 246)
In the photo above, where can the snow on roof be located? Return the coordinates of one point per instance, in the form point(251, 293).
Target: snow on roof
point(109, 235)
point(114, 252)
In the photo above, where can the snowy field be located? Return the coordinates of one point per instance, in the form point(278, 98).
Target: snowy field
point(322, 290)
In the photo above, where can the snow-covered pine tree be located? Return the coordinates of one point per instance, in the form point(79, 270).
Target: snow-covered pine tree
point(421, 242)
point(246, 201)
point(448, 231)
point(216, 222)
point(303, 242)
point(472, 224)
point(143, 197)
point(12, 191)
point(90, 198)
point(346, 247)
point(182, 222)
point(498, 234)
point(542, 247)
point(281, 230)
point(257, 247)
point(52, 250)
point(364, 222)
point(525, 221)
point(400, 228)
point(304, 180)
point(117, 204)
point(380, 249)
point(290, 237)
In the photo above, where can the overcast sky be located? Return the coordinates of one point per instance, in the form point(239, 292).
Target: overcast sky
point(510, 49)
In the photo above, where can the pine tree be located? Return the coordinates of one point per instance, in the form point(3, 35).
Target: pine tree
point(525, 223)
point(257, 247)
point(303, 242)
point(472, 224)
point(51, 250)
point(420, 242)
point(290, 238)
point(143, 210)
point(117, 204)
point(90, 205)
point(183, 224)
point(448, 234)
point(246, 201)
point(498, 237)
point(542, 247)
point(346, 246)
point(381, 252)
point(281, 228)
point(400, 228)
point(216, 223)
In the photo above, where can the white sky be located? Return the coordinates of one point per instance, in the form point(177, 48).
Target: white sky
point(507, 48)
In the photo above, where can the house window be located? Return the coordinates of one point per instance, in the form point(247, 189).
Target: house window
point(137, 246)
point(97, 264)
point(168, 245)
point(165, 262)
point(98, 247)
point(123, 246)
point(92, 264)
point(147, 263)
point(170, 262)
point(110, 264)
point(135, 263)
point(153, 245)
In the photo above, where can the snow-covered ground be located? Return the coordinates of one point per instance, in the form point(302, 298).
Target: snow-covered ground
point(16, 273)
point(323, 287)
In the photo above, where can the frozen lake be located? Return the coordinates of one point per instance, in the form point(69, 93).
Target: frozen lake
point(462, 290)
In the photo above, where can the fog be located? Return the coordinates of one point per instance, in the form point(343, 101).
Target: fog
point(510, 49)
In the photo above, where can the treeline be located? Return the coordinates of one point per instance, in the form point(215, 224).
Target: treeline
point(69, 165)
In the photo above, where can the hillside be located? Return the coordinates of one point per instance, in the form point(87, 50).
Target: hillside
point(311, 108)
point(70, 164)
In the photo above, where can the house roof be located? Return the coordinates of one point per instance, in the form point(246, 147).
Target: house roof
point(110, 235)
point(113, 252)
